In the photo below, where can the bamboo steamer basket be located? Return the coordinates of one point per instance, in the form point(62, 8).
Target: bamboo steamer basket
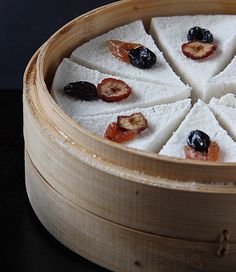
point(185, 211)
point(114, 246)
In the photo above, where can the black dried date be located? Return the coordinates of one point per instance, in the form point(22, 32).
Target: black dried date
point(142, 57)
point(82, 90)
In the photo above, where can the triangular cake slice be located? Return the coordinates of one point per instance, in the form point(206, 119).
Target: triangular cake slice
point(93, 54)
point(223, 83)
point(225, 112)
point(200, 117)
point(162, 121)
point(143, 94)
point(171, 32)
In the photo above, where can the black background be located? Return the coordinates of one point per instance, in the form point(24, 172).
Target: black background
point(26, 245)
point(26, 24)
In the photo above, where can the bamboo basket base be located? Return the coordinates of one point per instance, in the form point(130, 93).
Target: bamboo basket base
point(116, 247)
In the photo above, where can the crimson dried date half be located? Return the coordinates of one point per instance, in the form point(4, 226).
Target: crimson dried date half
point(113, 90)
point(135, 121)
point(82, 90)
point(198, 50)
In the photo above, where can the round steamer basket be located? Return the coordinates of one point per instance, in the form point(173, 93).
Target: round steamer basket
point(123, 209)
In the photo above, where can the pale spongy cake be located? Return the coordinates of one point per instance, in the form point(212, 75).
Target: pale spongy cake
point(144, 94)
point(154, 88)
point(171, 32)
point(93, 54)
point(200, 117)
point(162, 121)
point(228, 100)
point(224, 82)
point(225, 112)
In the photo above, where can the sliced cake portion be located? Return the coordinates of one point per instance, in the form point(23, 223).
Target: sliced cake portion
point(142, 95)
point(200, 118)
point(224, 82)
point(94, 54)
point(162, 120)
point(225, 111)
point(172, 32)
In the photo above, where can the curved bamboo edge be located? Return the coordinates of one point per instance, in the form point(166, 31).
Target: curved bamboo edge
point(57, 46)
point(128, 197)
point(116, 247)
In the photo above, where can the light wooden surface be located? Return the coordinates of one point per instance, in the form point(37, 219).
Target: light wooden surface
point(116, 247)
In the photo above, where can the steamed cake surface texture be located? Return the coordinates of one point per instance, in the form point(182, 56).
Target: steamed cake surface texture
point(200, 117)
point(224, 110)
point(171, 32)
point(93, 54)
point(162, 120)
point(228, 100)
point(224, 82)
point(143, 94)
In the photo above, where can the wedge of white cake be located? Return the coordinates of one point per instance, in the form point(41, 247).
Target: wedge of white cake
point(93, 54)
point(224, 82)
point(143, 94)
point(162, 121)
point(171, 32)
point(225, 112)
point(200, 117)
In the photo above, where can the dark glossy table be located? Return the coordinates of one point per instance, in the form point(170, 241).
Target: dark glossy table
point(26, 245)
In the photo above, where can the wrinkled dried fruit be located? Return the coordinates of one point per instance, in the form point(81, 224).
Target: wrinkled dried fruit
point(198, 50)
point(200, 34)
point(82, 90)
point(118, 135)
point(195, 33)
point(142, 57)
point(112, 90)
point(136, 121)
point(121, 49)
point(213, 153)
point(207, 36)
